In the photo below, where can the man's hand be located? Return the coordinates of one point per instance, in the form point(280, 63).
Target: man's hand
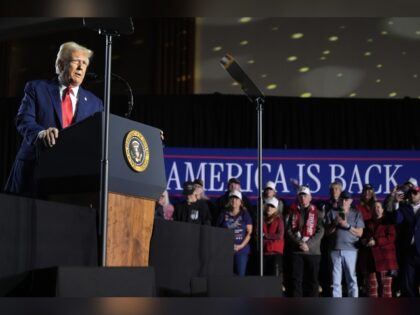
point(49, 136)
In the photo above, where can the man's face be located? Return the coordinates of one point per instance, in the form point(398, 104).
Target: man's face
point(347, 203)
point(304, 199)
point(415, 196)
point(335, 191)
point(75, 69)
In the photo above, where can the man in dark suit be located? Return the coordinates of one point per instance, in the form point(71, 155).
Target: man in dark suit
point(46, 108)
point(408, 217)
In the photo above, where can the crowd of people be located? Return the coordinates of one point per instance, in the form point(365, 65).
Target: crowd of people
point(343, 246)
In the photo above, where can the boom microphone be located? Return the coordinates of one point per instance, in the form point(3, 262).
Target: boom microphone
point(239, 75)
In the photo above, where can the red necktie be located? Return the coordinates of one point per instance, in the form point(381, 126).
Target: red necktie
point(67, 108)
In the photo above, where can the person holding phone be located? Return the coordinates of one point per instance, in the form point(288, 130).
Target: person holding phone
point(346, 227)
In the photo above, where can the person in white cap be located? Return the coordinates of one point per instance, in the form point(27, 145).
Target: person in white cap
point(237, 218)
point(304, 231)
point(273, 237)
point(270, 192)
point(222, 203)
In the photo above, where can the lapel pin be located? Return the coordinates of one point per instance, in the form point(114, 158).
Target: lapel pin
point(85, 98)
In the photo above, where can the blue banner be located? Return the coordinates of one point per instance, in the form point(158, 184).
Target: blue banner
point(289, 168)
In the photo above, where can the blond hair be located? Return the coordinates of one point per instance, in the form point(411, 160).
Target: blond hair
point(64, 54)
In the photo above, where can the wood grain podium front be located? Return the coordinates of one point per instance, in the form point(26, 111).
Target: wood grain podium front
point(130, 225)
point(70, 172)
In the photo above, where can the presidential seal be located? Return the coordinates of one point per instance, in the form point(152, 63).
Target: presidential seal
point(136, 151)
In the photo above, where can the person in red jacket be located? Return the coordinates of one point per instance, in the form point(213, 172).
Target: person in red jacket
point(379, 236)
point(273, 229)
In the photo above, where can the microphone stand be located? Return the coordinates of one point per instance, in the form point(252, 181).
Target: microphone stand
point(259, 101)
point(109, 28)
point(103, 203)
point(256, 97)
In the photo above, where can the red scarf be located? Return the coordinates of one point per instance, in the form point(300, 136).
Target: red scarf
point(308, 227)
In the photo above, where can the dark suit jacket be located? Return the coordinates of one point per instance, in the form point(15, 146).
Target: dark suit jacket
point(40, 109)
point(410, 226)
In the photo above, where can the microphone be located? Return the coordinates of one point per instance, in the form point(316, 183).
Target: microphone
point(239, 75)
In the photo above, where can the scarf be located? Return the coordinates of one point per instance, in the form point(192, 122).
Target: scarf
point(308, 228)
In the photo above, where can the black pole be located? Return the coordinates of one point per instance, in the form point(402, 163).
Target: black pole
point(109, 28)
point(255, 96)
point(259, 101)
point(103, 205)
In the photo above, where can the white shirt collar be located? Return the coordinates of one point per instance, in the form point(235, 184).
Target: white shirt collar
point(415, 207)
point(74, 88)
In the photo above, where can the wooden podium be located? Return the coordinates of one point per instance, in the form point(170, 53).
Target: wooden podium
point(70, 172)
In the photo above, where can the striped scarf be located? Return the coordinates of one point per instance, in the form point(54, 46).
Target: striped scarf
point(307, 229)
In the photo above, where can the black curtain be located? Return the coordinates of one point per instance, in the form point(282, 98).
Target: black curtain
point(174, 56)
point(229, 121)
point(290, 123)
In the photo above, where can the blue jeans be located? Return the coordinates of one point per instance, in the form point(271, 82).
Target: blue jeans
point(240, 261)
point(344, 260)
